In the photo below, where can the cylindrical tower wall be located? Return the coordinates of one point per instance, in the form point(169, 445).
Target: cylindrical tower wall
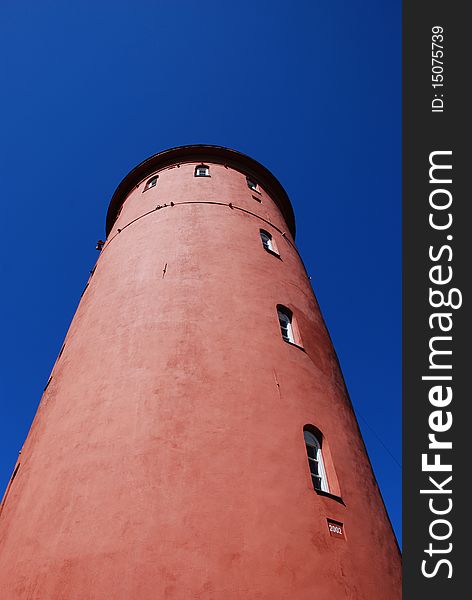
point(167, 457)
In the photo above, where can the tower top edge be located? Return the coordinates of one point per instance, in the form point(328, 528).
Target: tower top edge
point(202, 153)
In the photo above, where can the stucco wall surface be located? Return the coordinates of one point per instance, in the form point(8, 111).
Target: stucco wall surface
point(167, 460)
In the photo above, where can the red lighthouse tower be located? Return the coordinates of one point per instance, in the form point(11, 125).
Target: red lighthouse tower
point(196, 440)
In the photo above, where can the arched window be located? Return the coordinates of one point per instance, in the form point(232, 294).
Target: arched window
point(267, 242)
point(202, 171)
point(251, 184)
point(315, 461)
point(150, 183)
point(285, 320)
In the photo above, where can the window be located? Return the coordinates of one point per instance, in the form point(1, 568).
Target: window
point(150, 183)
point(202, 171)
point(285, 320)
point(268, 242)
point(252, 185)
point(315, 460)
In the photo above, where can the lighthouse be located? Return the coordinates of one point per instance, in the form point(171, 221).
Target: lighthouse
point(196, 439)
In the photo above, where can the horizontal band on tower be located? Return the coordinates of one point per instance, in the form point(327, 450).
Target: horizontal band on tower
point(205, 154)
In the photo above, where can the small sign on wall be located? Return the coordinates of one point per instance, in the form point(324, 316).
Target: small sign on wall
point(336, 529)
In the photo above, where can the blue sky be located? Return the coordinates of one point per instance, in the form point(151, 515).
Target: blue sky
point(310, 89)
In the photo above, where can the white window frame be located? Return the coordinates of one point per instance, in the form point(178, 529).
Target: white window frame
point(286, 319)
point(266, 240)
point(151, 182)
point(204, 168)
point(312, 440)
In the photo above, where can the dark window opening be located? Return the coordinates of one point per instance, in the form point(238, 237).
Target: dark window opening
point(268, 242)
point(251, 184)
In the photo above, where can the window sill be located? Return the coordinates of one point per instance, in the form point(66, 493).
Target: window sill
point(300, 348)
point(332, 496)
point(273, 252)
